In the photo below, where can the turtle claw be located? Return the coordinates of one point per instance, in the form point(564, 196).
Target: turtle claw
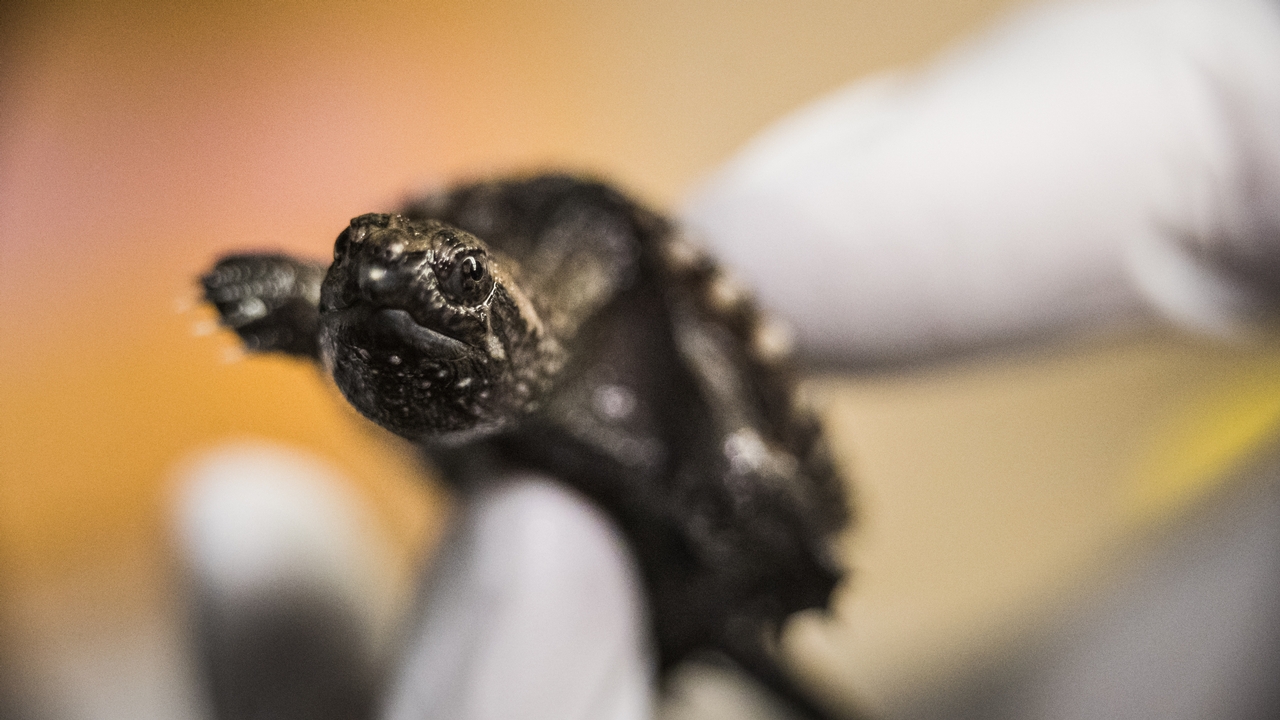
point(186, 302)
point(204, 328)
point(269, 300)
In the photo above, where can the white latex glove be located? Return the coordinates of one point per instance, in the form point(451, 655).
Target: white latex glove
point(295, 599)
point(1072, 168)
point(534, 609)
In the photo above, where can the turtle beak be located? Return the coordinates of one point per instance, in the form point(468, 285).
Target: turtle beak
point(381, 269)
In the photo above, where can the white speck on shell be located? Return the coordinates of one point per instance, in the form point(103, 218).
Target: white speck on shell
point(613, 402)
point(494, 346)
point(725, 293)
point(772, 340)
point(746, 451)
point(682, 253)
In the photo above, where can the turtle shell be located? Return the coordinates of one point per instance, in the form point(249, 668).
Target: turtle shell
point(676, 411)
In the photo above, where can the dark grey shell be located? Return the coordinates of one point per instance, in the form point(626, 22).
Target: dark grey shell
point(672, 406)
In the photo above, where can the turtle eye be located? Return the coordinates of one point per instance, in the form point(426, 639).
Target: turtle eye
point(465, 280)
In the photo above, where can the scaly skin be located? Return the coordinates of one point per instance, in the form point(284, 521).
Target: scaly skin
point(552, 323)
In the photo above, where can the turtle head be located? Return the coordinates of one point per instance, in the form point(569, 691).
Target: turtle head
point(426, 332)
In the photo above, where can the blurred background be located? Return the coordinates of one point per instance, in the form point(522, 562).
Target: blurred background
point(140, 140)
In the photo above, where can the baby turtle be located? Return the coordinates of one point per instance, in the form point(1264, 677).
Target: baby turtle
point(552, 323)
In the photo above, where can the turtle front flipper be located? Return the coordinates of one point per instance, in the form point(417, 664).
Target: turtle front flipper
point(270, 300)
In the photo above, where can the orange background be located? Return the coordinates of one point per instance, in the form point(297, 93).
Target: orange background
point(140, 140)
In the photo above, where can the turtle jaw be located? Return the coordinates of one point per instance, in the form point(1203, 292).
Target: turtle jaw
point(415, 381)
point(421, 338)
point(391, 332)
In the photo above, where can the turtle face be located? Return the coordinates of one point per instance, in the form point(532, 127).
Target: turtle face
point(426, 332)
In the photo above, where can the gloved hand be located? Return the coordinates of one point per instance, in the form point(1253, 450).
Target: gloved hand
point(1076, 167)
point(533, 607)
